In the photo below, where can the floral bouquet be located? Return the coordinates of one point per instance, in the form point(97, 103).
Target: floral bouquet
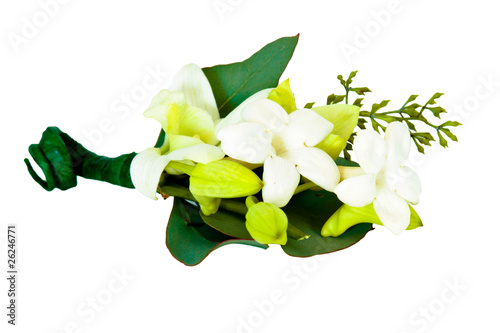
point(245, 165)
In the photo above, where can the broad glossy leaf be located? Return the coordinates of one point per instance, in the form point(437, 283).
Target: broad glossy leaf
point(190, 240)
point(233, 83)
point(308, 211)
point(229, 223)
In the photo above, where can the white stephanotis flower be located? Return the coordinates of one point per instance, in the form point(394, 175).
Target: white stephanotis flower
point(188, 113)
point(386, 182)
point(284, 143)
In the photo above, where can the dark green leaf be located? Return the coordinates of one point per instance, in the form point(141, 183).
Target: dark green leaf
point(229, 223)
point(233, 83)
point(309, 211)
point(309, 105)
point(189, 244)
point(161, 139)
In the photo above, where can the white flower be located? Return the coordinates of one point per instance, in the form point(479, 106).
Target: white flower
point(188, 113)
point(386, 182)
point(284, 143)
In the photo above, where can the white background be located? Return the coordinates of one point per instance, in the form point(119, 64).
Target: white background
point(75, 70)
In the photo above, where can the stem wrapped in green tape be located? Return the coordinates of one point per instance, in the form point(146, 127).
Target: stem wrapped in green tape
point(62, 159)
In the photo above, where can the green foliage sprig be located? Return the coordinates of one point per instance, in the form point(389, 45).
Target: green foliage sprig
point(410, 113)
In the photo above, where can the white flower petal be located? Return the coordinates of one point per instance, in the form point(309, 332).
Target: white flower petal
point(249, 142)
point(194, 121)
point(147, 166)
point(306, 128)
point(202, 153)
point(146, 169)
point(234, 117)
point(191, 81)
point(280, 180)
point(370, 151)
point(315, 165)
point(397, 138)
point(309, 127)
point(163, 101)
point(408, 185)
point(181, 141)
point(392, 210)
point(357, 191)
point(266, 112)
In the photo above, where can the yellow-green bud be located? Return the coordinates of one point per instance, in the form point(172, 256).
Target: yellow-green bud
point(223, 179)
point(344, 118)
point(266, 223)
point(208, 205)
point(347, 216)
point(283, 95)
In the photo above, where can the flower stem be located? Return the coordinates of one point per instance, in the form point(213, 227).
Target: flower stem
point(179, 191)
point(348, 172)
point(182, 167)
point(304, 187)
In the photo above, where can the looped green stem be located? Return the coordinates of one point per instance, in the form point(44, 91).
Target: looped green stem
point(62, 159)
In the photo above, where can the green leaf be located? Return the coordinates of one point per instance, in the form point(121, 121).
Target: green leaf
point(309, 211)
point(442, 140)
point(450, 123)
point(160, 140)
point(229, 223)
point(411, 99)
point(351, 76)
point(341, 79)
point(432, 100)
point(378, 106)
point(437, 110)
point(361, 90)
point(309, 105)
point(62, 159)
point(411, 126)
point(190, 244)
point(233, 83)
point(334, 99)
point(419, 147)
point(424, 138)
point(358, 101)
point(449, 134)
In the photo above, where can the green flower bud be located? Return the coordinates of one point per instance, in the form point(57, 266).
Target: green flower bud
point(208, 205)
point(223, 179)
point(344, 118)
point(347, 216)
point(266, 223)
point(283, 95)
